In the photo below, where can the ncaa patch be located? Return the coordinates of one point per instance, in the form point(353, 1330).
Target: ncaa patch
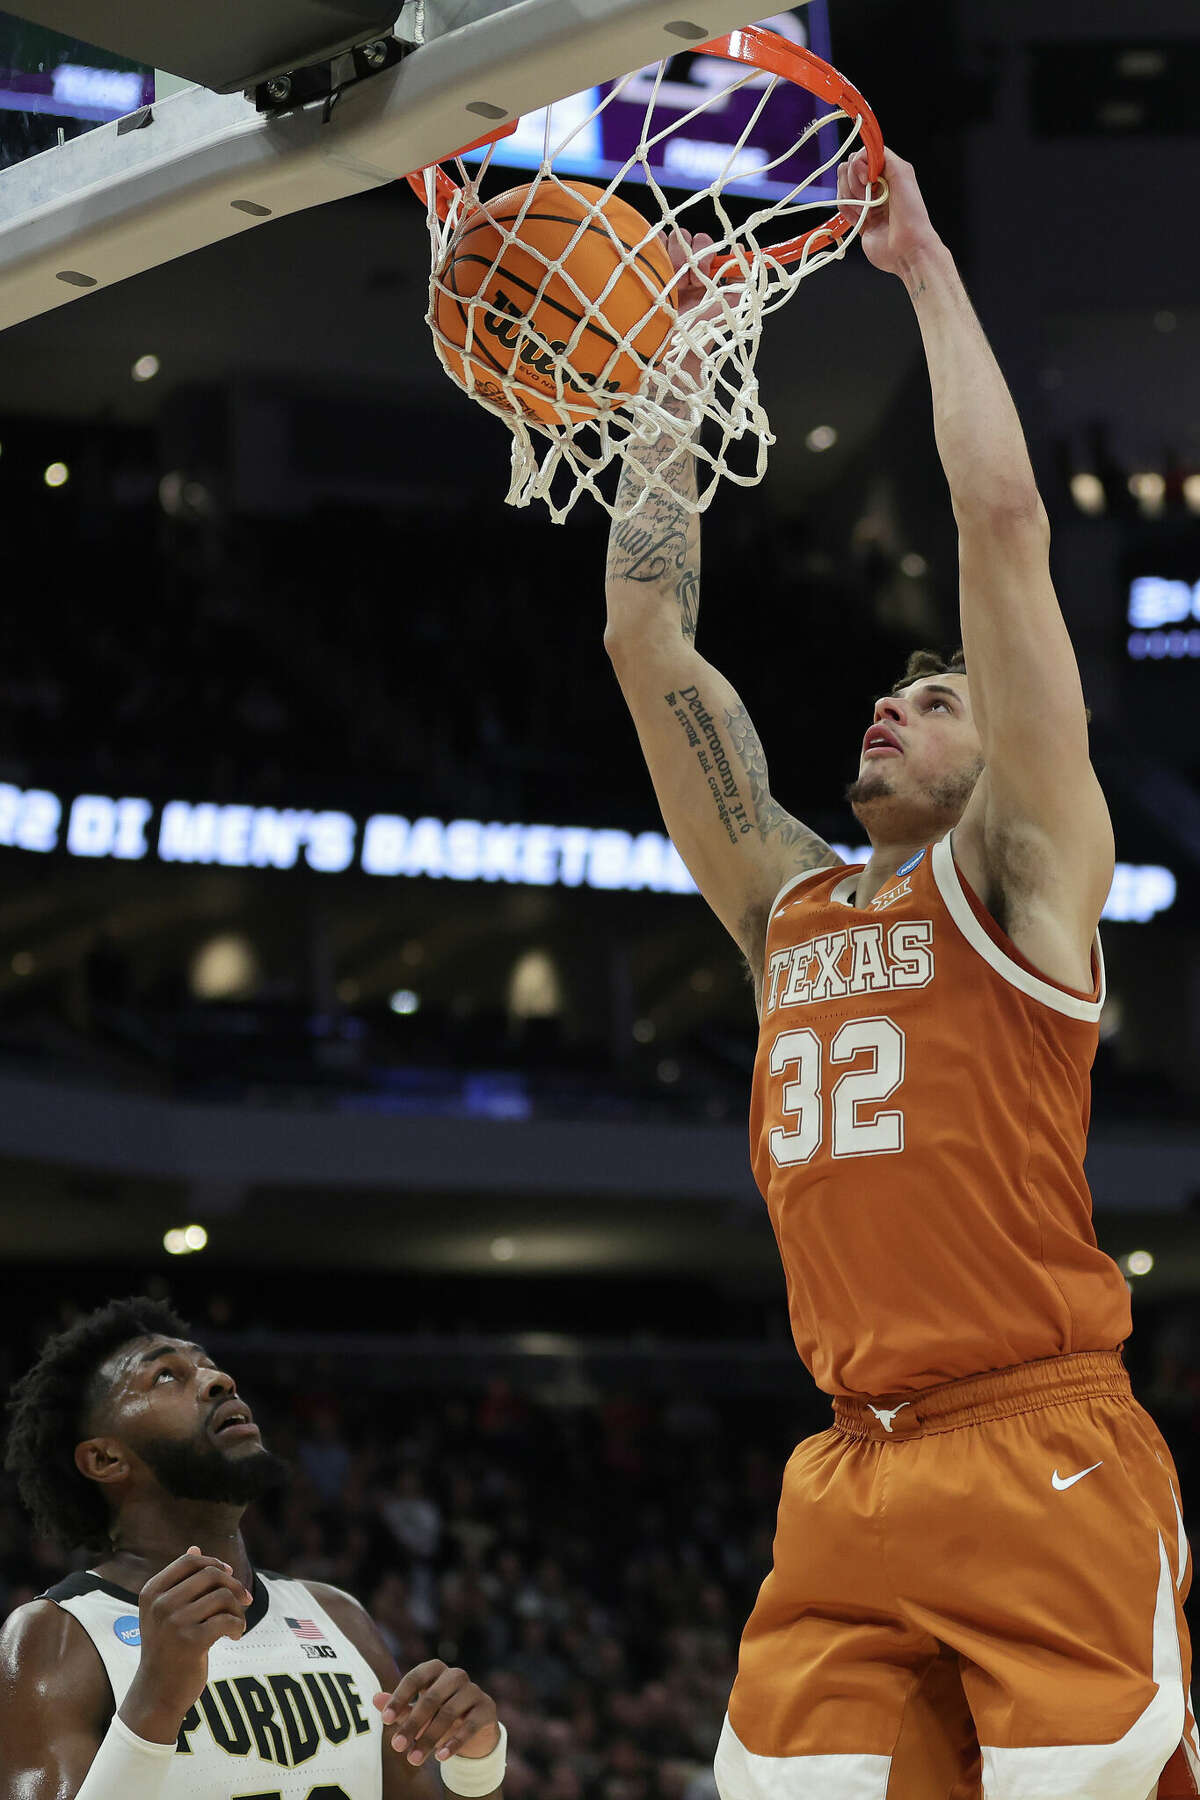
point(128, 1630)
point(908, 867)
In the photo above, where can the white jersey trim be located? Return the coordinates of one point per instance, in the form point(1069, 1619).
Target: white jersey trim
point(950, 887)
point(1123, 1766)
point(795, 881)
point(846, 891)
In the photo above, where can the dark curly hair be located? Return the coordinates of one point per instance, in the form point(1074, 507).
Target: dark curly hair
point(50, 1409)
point(928, 662)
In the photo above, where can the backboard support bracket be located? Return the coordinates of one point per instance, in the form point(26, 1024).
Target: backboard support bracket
point(329, 79)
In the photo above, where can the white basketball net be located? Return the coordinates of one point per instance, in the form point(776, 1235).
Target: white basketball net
point(720, 335)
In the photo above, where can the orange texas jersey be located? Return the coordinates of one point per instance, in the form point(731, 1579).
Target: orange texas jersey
point(918, 1124)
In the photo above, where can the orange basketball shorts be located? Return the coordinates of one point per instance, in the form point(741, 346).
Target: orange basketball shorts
point(976, 1592)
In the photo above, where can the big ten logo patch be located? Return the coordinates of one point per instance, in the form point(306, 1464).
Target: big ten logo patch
point(312, 1639)
point(890, 896)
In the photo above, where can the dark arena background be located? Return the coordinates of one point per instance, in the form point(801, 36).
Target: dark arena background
point(349, 994)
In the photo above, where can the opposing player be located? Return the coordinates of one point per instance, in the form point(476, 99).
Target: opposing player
point(171, 1668)
point(980, 1569)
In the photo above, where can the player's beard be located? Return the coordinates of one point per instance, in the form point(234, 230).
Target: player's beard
point(943, 800)
point(197, 1470)
point(868, 788)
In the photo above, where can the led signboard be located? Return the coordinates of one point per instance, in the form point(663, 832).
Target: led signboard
point(131, 828)
point(43, 72)
point(1165, 615)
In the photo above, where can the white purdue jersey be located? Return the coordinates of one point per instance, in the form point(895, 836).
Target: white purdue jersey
point(287, 1712)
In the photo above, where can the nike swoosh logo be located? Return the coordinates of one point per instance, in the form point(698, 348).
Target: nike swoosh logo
point(1057, 1481)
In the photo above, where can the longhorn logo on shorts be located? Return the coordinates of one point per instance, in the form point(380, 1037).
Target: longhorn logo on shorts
point(885, 1414)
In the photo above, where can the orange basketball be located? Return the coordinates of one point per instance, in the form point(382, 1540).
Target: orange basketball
point(494, 303)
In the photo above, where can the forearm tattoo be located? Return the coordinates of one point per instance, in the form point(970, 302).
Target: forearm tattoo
point(659, 545)
point(703, 736)
point(771, 819)
point(732, 762)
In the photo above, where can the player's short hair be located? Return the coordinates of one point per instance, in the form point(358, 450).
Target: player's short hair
point(50, 1410)
point(931, 662)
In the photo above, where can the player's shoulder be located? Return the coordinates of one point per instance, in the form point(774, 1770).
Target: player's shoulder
point(40, 1643)
point(36, 1626)
point(351, 1617)
point(348, 1613)
point(806, 876)
point(333, 1599)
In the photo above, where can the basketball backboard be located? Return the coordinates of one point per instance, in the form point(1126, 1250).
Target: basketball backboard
point(201, 165)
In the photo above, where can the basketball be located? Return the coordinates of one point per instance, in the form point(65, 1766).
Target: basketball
point(493, 281)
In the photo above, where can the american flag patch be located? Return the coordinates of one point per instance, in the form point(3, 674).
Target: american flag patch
point(305, 1628)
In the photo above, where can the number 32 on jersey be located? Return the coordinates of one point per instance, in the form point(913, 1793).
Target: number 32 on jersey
point(800, 1058)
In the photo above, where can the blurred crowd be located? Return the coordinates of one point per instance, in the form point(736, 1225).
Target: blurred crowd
point(591, 1564)
point(321, 659)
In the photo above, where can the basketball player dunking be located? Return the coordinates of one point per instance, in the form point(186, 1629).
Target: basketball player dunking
point(980, 1569)
point(172, 1670)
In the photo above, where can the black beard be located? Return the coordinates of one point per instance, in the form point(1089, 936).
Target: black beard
point(199, 1471)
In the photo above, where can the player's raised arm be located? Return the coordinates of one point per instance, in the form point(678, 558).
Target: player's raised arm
point(1038, 815)
point(703, 753)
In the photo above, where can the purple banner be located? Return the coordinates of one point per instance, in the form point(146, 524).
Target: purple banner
point(754, 157)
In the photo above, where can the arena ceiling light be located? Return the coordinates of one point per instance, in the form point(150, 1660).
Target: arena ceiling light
point(535, 986)
point(1149, 489)
point(225, 968)
point(185, 1240)
point(1087, 491)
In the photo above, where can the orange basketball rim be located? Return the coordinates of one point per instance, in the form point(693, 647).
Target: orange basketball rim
point(758, 48)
